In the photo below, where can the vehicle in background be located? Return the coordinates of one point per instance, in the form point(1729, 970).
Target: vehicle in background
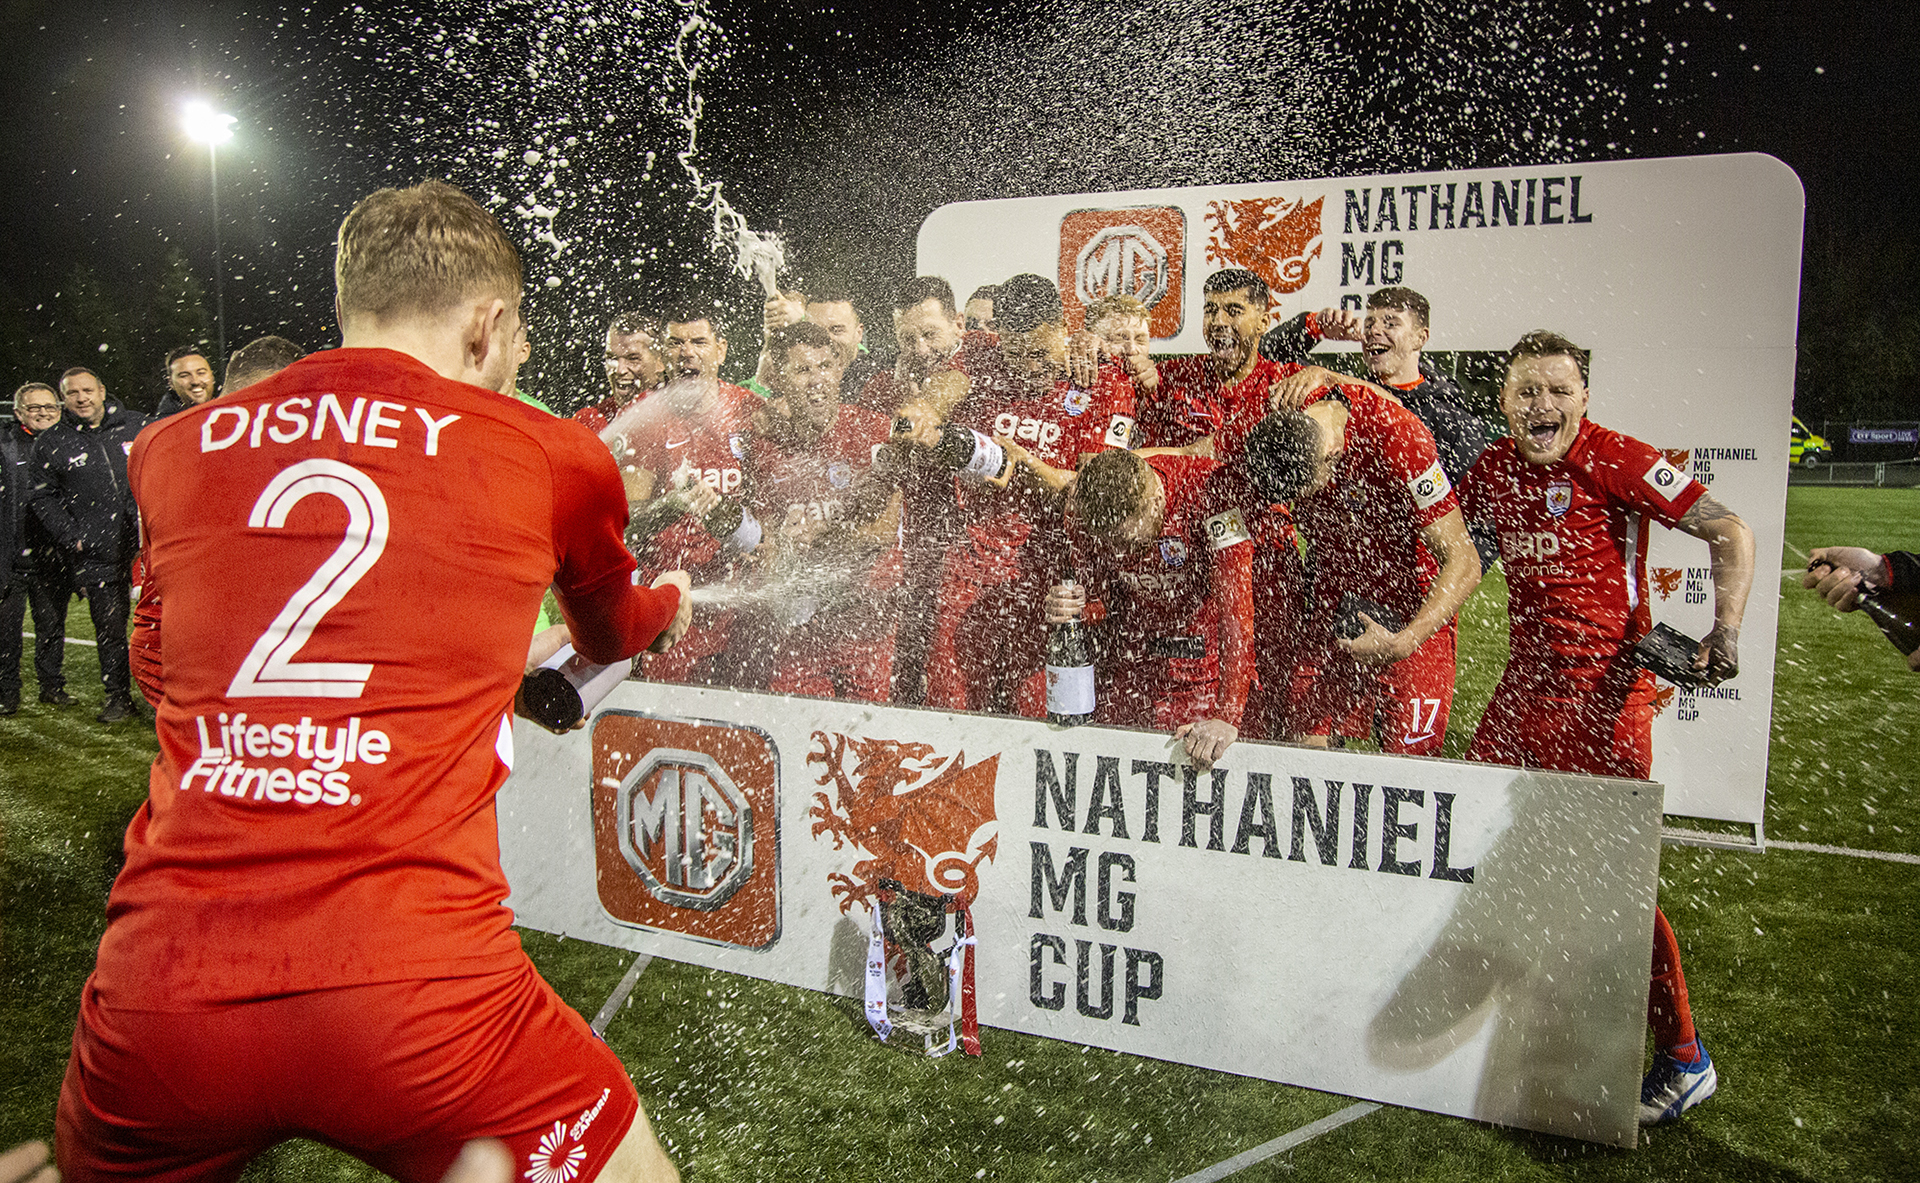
point(1806, 448)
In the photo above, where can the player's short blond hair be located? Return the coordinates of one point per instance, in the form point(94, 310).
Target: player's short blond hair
point(422, 250)
point(1110, 488)
point(1121, 305)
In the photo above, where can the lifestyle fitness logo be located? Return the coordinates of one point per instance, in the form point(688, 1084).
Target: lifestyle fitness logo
point(923, 819)
point(686, 827)
point(1137, 251)
point(1275, 238)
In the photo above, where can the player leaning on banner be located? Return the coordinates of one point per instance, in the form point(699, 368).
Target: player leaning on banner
point(1571, 502)
point(308, 938)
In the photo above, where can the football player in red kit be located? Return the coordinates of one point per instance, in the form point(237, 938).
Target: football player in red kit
point(634, 367)
point(986, 652)
point(308, 939)
point(1392, 563)
point(683, 457)
point(1572, 502)
point(1167, 548)
point(829, 518)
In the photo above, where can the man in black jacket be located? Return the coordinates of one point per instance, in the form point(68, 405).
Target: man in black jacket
point(189, 381)
point(34, 572)
point(80, 495)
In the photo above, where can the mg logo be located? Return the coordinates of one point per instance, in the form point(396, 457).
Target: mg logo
point(1122, 261)
point(685, 828)
point(1138, 251)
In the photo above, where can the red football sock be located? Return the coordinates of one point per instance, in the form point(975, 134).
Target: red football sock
point(1667, 1010)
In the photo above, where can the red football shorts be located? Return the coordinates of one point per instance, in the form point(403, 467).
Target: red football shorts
point(1605, 732)
point(1404, 705)
point(398, 1074)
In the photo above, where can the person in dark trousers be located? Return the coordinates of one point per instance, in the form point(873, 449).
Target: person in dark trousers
point(35, 574)
point(80, 495)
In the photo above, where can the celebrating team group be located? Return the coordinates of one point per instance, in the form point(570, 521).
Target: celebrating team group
point(308, 938)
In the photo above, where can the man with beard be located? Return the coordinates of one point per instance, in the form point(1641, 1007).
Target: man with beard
point(37, 572)
point(988, 642)
point(1572, 502)
point(80, 495)
point(833, 530)
point(634, 368)
point(1185, 399)
point(683, 459)
point(189, 381)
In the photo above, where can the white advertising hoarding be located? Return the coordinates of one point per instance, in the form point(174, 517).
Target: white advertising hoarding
point(1681, 275)
point(1466, 939)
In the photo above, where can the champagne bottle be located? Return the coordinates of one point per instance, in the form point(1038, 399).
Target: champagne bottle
point(1069, 671)
point(565, 688)
point(1897, 614)
point(973, 453)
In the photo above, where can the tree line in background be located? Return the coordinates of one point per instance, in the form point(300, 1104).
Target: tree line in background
point(1858, 358)
point(120, 327)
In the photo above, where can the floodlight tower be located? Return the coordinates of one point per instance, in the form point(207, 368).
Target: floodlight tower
point(206, 126)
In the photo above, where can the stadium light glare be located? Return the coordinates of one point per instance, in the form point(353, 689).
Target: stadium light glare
point(204, 125)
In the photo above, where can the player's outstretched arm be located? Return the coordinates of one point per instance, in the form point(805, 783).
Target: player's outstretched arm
point(1730, 554)
point(1453, 548)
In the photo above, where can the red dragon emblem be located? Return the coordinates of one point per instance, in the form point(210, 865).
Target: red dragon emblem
point(1663, 697)
point(926, 821)
point(1677, 457)
point(1666, 580)
point(1272, 237)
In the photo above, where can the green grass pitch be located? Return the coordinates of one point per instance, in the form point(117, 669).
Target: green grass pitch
point(1800, 966)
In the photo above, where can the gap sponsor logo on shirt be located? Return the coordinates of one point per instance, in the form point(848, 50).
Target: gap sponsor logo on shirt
point(228, 745)
point(1033, 431)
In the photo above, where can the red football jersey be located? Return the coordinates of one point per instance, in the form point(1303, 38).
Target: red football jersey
point(713, 446)
point(815, 483)
point(1058, 428)
point(1190, 402)
point(1364, 526)
point(1573, 539)
point(1167, 603)
point(352, 553)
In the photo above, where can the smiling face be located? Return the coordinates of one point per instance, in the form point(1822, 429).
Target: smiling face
point(85, 398)
point(1233, 322)
point(927, 336)
point(192, 379)
point(1392, 341)
point(1122, 336)
point(1544, 400)
point(806, 388)
point(633, 365)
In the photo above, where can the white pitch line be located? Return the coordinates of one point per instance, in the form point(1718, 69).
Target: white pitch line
point(1819, 848)
point(619, 996)
point(1266, 1150)
point(69, 640)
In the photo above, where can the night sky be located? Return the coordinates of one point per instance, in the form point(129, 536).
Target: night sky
point(846, 126)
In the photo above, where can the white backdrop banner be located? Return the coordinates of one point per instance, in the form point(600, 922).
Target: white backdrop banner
point(1682, 276)
point(1467, 939)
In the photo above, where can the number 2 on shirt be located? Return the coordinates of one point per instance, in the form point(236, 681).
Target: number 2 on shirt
point(269, 670)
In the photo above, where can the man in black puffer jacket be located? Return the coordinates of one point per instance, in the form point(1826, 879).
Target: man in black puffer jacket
point(80, 495)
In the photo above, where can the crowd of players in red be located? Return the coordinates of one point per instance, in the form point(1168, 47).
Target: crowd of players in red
point(1263, 547)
